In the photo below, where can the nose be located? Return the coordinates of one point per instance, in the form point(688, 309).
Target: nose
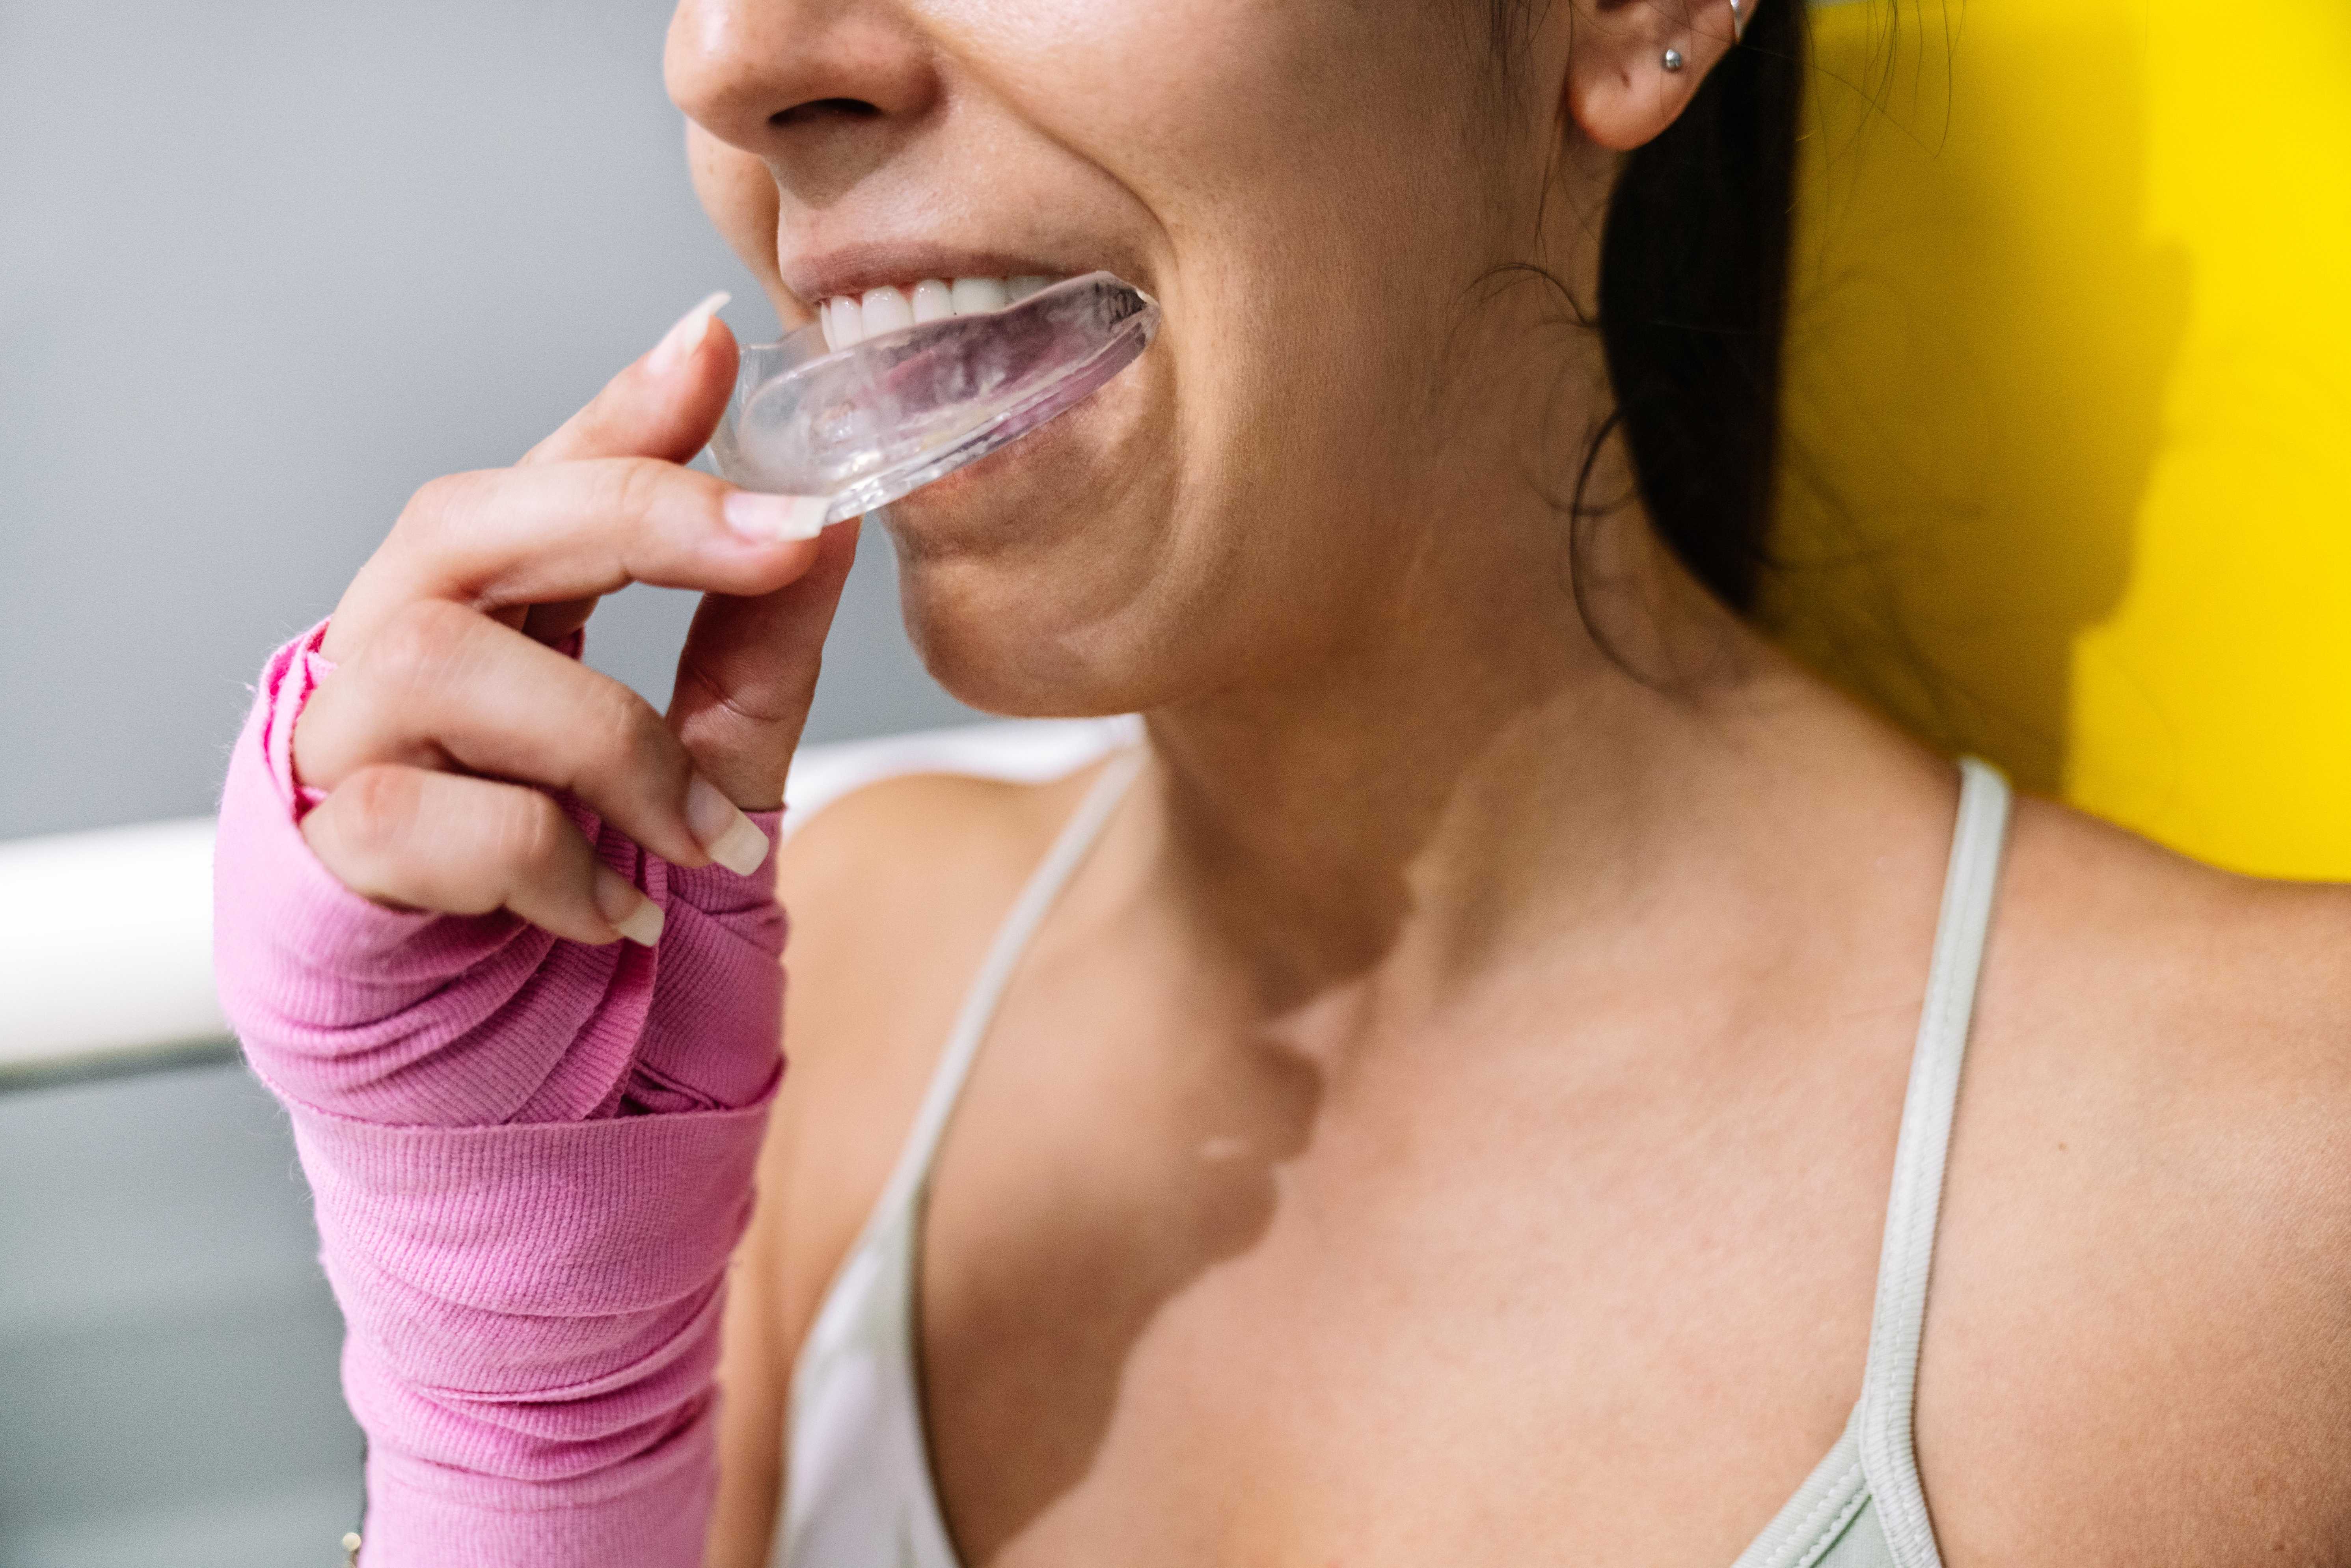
point(820, 90)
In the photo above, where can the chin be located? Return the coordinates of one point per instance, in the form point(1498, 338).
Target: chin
point(1039, 641)
point(1029, 579)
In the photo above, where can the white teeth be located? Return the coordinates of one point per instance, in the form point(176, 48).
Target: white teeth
point(974, 296)
point(885, 310)
point(841, 326)
point(849, 319)
point(933, 300)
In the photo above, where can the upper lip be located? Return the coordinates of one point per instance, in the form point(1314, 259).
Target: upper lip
point(815, 275)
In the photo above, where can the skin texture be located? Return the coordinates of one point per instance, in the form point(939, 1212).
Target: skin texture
point(1449, 1117)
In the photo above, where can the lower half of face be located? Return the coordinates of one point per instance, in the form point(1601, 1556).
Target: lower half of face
point(1311, 190)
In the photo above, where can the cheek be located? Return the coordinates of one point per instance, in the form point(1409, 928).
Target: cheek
point(1296, 169)
point(1302, 167)
point(1231, 119)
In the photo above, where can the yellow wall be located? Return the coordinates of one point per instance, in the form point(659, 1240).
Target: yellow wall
point(2069, 480)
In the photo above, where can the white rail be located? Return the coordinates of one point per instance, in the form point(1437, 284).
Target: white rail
point(106, 936)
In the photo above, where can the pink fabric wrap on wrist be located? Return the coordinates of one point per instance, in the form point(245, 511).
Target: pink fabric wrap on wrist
point(531, 1159)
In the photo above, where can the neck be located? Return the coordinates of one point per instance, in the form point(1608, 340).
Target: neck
point(1480, 764)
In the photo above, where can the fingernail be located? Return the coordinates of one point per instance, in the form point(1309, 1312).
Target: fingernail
point(764, 518)
point(631, 913)
point(730, 838)
point(681, 340)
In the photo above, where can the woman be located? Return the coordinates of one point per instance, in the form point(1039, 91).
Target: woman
point(1441, 1092)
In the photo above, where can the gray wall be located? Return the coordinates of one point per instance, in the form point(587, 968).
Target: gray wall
point(265, 269)
point(167, 1346)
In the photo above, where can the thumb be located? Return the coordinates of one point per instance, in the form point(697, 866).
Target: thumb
point(748, 672)
point(666, 405)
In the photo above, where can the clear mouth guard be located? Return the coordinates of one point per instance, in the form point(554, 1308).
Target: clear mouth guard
point(866, 424)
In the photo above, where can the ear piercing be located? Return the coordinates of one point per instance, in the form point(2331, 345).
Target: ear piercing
point(1674, 62)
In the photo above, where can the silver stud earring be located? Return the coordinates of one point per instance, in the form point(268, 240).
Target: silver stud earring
point(1673, 61)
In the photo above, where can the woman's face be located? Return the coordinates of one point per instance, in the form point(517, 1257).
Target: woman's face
point(1308, 187)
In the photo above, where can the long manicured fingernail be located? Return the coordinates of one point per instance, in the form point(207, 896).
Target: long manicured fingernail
point(681, 340)
point(633, 914)
point(730, 837)
point(764, 518)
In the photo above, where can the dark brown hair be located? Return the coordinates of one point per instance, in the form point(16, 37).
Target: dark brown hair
point(1694, 304)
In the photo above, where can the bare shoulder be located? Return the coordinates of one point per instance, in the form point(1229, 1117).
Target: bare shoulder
point(2230, 994)
point(894, 892)
point(918, 845)
point(2143, 1298)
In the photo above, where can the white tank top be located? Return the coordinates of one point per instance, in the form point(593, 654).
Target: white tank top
point(859, 1491)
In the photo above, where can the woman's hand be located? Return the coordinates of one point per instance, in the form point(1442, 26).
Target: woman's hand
point(451, 712)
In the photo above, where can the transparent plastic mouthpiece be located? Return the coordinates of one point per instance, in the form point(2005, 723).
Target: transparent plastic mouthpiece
point(870, 422)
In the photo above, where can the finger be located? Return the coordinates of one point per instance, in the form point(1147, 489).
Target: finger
point(442, 688)
point(503, 539)
point(553, 624)
point(415, 839)
point(664, 406)
point(748, 672)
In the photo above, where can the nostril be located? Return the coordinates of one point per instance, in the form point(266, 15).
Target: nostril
point(824, 109)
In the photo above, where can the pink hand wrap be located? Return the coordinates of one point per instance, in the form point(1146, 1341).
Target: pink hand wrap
point(531, 1160)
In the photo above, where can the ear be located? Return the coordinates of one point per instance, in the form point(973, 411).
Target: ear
point(1620, 92)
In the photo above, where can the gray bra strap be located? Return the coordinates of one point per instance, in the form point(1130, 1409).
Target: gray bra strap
point(1028, 913)
point(1889, 1387)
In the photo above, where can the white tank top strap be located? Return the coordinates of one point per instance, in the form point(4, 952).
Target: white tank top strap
point(858, 1487)
point(1890, 1385)
point(979, 1004)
